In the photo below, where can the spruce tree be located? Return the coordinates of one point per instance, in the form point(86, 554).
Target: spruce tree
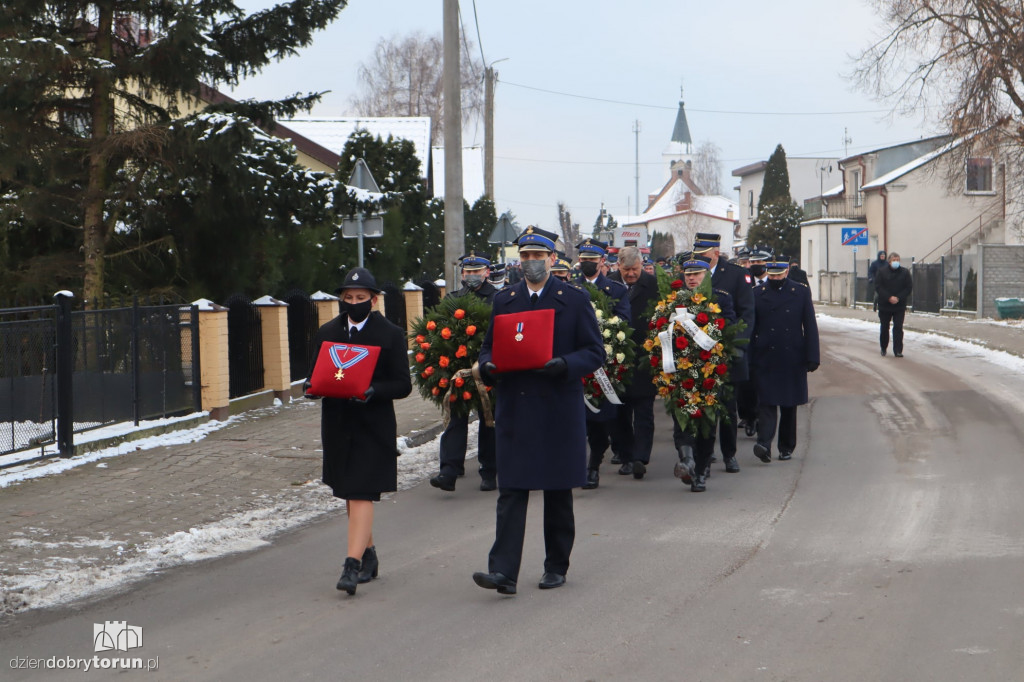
point(777, 224)
point(88, 94)
point(776, 179)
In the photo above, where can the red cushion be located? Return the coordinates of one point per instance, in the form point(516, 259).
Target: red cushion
point(343, 370)
point(523, 340)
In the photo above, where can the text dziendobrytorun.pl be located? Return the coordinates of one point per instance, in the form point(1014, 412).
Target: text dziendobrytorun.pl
point(85, 664)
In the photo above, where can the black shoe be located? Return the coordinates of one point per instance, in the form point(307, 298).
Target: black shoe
point(731, 465)
point(616, 459)
point(883, 352)
point(639, 469)
point(699, 485)
point(349, 576)
point(684, 468)
point(897, 355)
point(626, 469)
point(784, 455)
point(593, 479)
point(550, 581)
point(369, 565)
point(443, 482)
point(495, 581)
point(763, 452)
point(751, 429)
point(488, 484)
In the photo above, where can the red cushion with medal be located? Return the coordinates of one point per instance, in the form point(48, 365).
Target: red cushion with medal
point(521, 341)
point(343, 370)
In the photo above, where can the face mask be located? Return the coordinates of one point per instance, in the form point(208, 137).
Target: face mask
point(588, 268)
point(757, 270)
point(473, 281)
point(895, 265)
point(357, 312)
point(535, 270)
point(776, 283)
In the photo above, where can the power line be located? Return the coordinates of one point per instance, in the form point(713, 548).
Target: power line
point(701, 111)
point(479, 40)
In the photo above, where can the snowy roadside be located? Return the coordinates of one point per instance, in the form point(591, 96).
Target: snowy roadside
point(64, 579)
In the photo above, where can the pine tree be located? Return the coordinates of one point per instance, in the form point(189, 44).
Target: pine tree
point(777, 225)
point(776, 179)
point(90, 91)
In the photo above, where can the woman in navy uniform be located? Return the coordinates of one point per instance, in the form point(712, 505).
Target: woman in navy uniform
point(783, 349)
point(540, 419)
point(456, 435)
point(359, 435)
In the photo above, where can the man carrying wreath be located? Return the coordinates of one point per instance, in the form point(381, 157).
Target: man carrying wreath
point(456, 435)
point(540, 418)
point(695, 450)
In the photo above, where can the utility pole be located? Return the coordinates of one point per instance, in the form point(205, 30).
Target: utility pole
point(489, 132)
point(454, 225)
point(846, 142)
point(636, 134)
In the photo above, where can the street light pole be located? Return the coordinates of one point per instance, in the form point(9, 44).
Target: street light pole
point(454, 225)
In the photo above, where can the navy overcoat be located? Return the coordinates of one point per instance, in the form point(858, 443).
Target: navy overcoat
point(784, 342)
point(618, 292)
point(540, 422)
point(735, 280)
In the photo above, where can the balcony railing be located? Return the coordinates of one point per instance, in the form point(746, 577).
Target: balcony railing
point(833, 207)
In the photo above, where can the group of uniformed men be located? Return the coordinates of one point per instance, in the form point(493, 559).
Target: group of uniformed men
point(542, 430)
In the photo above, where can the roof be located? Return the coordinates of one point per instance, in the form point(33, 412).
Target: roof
point(472, 172)
point(681, 131)
point(333, 133)
point(913, 165)
point(715, 206)
point(750, 169)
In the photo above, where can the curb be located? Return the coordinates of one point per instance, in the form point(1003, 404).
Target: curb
point(101, 443)
point(423, 436)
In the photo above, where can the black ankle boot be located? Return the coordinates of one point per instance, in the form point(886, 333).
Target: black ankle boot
point(369, 565)
point(349, 576)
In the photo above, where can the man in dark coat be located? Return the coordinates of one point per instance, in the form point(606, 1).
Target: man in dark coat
point(635, 430)
point(456, 436)
point(783, 349)
point(796, 273)
point(360, 435)
point(695, 450)
point(600, 424)
point(746, 393)
point(893, 284)
point(735, 281)
point(873, 269)
point(540, 418)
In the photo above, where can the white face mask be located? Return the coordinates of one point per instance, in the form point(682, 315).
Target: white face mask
point(895, 265)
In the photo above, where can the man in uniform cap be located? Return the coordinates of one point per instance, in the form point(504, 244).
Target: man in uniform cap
point(783, 349)
point(695, 450)
point(746, 393)
point(600, 425)
point(456, 435)
point(497, 275)
point(561, 267)
point(531, 407)
point(734, 280)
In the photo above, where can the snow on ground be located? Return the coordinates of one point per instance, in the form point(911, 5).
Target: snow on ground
point(931, 341)
point(294, 506)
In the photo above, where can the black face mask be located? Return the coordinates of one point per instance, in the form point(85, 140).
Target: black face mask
point(776, 283)
point(357, 312)
point(757, 270)
point(588, 268)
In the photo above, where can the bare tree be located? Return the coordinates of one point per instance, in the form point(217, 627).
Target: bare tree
point(570, 231)
point(959, 61)
point(404, 78)
point(707, 168)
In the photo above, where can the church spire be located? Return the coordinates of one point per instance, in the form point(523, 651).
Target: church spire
point(681, 132)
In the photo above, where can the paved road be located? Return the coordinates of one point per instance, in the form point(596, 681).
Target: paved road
point(889, 549)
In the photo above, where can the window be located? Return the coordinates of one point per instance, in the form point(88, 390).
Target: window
point(750, 203)
point(979, 175)
point(858, 195)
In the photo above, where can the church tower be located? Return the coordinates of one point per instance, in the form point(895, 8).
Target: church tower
point(680, 147)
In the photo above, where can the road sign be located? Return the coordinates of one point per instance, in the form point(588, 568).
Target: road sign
point(365, 224)
point(504, 232)
point(373, 226)
point(855, 236)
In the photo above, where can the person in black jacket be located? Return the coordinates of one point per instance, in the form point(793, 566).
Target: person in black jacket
point(893, 284)
point(360, 434)
point(873, 269)
point(635, 431)
point(456, 436)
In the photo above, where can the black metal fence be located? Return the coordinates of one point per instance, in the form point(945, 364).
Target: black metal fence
point(394, 304)
point(303, 324)
point(65, 372)
point(927, 296)
point(245, 346)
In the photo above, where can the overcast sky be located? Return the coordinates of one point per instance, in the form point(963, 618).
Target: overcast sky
point(743, 56)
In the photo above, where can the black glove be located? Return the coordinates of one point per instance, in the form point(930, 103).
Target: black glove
point(488, 372)
point(555, 368)
point(305, 391)
point(366, 397)
point(811, 366)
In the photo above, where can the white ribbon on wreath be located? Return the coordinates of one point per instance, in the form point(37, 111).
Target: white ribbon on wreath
point(606, 386)
point(685, 319)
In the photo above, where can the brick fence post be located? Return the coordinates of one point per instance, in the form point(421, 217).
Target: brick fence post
point(214, 367)
point(413, 305)
point(277, 373)
point(326, 308)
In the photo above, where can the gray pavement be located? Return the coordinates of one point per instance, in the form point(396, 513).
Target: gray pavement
point(97, 515)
